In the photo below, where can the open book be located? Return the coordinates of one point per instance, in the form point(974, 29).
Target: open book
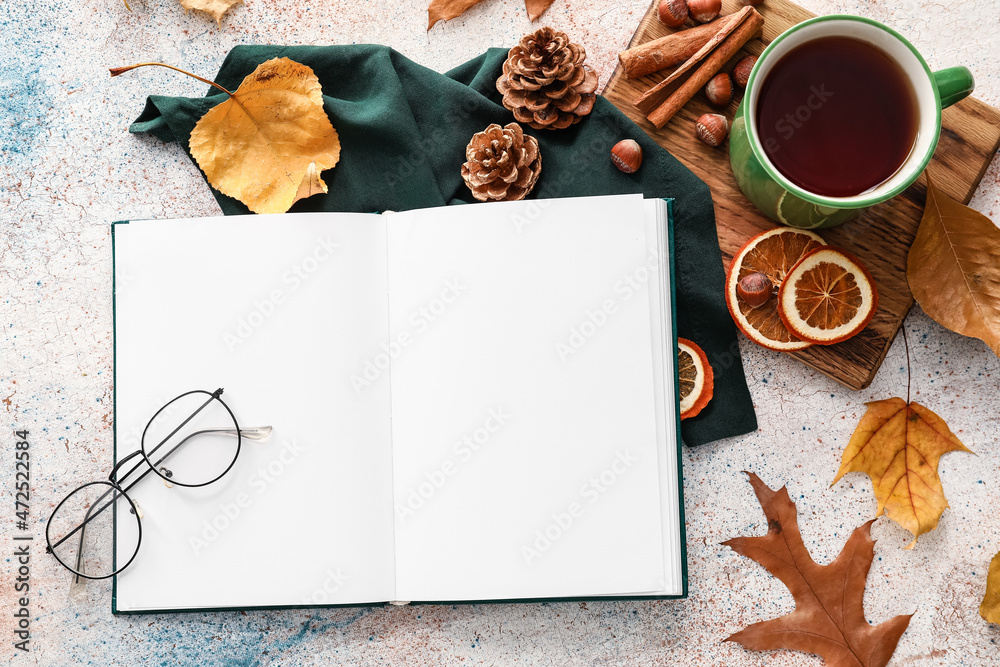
point(468, 403)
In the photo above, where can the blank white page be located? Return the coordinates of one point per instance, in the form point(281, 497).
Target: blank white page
point(525, 461)
point(664, 354)
point(285, 313)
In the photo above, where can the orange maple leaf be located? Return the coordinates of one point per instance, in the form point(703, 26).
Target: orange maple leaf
point(898, 445)
point(829, 617)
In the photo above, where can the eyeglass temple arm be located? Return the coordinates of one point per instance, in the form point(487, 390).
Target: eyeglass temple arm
point(83, 532)
point(255, 433)
point(252, 433)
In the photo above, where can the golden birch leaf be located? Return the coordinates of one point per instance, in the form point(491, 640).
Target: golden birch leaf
point(536, 8)
point(260, 144)
point(216, 8)
point(898, 445)
point(442, 10)
point(990, 608)
point(953, 270)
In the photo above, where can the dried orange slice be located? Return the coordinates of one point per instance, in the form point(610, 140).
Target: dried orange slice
point(772, 253)
point(696, 378)
point(827, 297)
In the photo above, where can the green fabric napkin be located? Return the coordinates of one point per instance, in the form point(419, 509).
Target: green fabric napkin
point(403, 130)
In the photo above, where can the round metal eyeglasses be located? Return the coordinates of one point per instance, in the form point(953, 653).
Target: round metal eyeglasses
point(192, 441)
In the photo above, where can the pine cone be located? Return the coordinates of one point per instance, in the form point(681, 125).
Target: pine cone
point(545, 82)
point(503, 163)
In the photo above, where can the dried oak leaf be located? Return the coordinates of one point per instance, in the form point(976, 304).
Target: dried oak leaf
point(216, 8)
point(829, 617)
point(953, 270)
point(442, 10)
point(990, 608)
point(268, 142)
point(536, 8)
point(898, 445)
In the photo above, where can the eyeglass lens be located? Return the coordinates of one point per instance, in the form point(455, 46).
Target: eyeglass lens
point(81, 530)
point(192, 441)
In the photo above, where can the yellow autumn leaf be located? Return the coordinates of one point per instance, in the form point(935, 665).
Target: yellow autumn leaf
point(261, 144)
point(216, 8)
point(899, 445)
point(990, 608)
point(952, 268)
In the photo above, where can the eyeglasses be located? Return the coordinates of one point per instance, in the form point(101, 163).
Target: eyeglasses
point(191, 441)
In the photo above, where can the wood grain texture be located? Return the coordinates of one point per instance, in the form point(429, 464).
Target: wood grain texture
point(880, 236)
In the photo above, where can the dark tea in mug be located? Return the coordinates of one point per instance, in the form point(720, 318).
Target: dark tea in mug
point(837, 116)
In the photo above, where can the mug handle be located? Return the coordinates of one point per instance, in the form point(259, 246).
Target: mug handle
point(954, 84)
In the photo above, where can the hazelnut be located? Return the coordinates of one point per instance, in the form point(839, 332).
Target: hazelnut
point(741, 73)
point(712, 128)
point(755, 289)
point(704, 11)
point(627, 155)
point(673, 13)
point(719, 89)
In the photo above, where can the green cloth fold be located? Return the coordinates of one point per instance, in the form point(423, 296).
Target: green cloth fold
point(403, 130)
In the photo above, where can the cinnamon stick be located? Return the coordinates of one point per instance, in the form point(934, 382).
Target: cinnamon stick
point(713, 63)
point(656, 95)
point(667, 51)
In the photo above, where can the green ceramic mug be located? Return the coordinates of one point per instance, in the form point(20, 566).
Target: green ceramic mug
point(787, 203)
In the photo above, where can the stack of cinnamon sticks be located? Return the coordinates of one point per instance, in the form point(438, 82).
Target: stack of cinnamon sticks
point(706, 49)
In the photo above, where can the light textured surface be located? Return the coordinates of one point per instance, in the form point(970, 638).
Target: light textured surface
point(69, 168)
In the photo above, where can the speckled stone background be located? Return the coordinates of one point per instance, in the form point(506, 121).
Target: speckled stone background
point(69, 168)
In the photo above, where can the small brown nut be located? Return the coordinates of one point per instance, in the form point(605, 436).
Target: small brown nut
point(719, 89)
point(741, 73)
point(712, 128)
point(673, 13)
point(704, 11)
point(755, 289)
point(627, 155)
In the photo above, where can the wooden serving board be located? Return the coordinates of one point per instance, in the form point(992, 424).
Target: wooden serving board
point(880, 237)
